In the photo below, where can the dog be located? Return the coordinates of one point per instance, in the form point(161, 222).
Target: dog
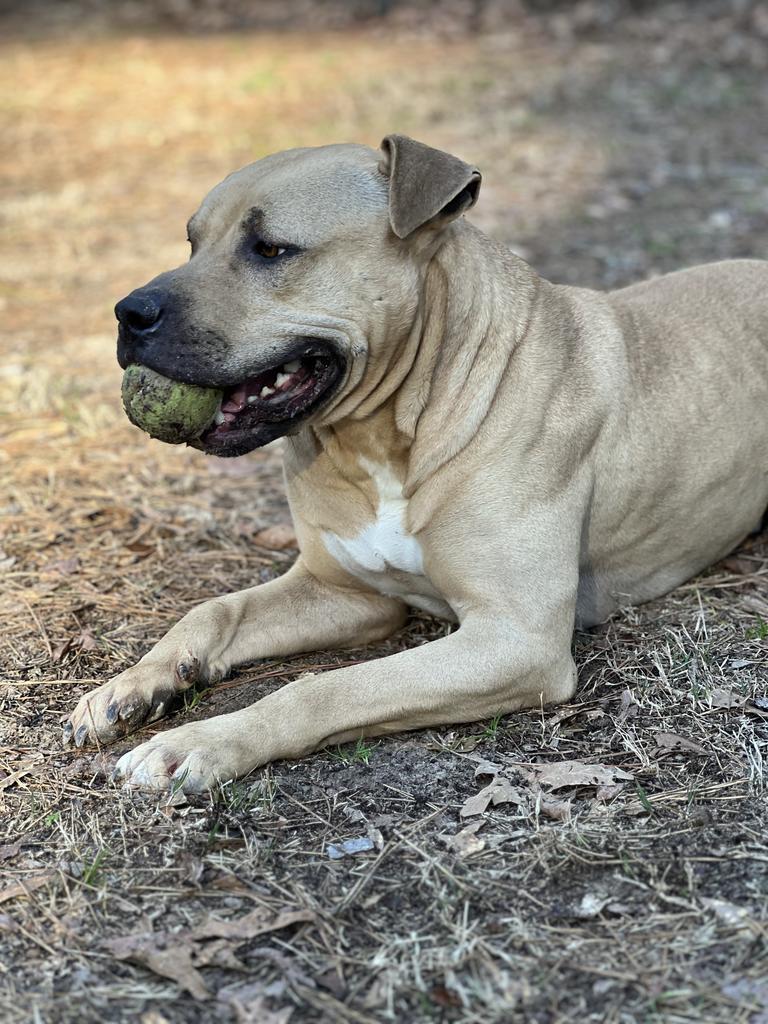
point(461, 436)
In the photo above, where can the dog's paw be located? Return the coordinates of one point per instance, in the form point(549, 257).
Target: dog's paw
point(192, 759)
point(140, 694)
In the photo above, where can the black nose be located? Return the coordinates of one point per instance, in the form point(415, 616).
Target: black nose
point(140, 311)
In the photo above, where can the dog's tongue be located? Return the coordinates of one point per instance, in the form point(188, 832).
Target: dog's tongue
point(236, 402)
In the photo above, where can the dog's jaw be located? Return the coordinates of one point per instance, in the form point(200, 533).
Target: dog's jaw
point(273, 402)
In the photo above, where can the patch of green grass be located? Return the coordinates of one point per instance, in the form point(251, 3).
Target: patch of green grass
point(193, 698)
point(92, 870)
point(490, 732)
point(360, 753)
point(176, 784)
point(642, 796)
point(242, 796)
point(758, 632)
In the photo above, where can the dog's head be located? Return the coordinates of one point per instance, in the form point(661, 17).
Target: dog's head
point(303, 281)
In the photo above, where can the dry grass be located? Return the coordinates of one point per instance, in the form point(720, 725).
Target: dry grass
point(607, 157)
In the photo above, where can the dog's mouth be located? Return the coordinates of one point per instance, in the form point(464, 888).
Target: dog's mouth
point(274, 402)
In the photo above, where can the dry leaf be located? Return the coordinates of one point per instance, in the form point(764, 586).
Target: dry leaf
point(338, 850)
point(66, 566)
point(738, 566)
point(177, 955)
point(467, 841)
point(590, 906)
point(732, 916)
point(25, 886)
point(250, 1006)
point(499, 791)
point(671, 741)
point(606, 793)
point(719, 698)
point(276, 538)
point(559, 810)
point(258, 922)
point(14, 777)
point(487, 768)
point(165, 954)
point(559, 774)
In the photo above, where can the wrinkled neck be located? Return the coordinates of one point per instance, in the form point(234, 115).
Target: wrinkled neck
point(441, 375)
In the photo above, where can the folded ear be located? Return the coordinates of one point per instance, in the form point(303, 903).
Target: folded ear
point(425, 183)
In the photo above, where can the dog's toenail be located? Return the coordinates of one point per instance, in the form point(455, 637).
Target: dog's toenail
point(80, 735)
point(66, 732)
point(127, 711)
point(112, 712)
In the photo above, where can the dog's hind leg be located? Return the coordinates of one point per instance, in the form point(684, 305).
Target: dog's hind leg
point(296, 612)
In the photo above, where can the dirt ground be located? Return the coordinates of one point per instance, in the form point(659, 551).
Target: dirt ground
point(613, 147)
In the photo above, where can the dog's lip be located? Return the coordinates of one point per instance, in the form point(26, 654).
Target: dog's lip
point(268, 404)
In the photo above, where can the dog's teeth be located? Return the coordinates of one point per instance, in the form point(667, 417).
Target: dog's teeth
point(219, 418)
point(251, 399)
point(266, 392)
point(281, 379)
point(293, 367)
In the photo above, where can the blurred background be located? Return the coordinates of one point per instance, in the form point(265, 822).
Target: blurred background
point(618, 139)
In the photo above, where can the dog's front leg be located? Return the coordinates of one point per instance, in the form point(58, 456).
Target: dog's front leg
point(297, 612)
point(487, 667)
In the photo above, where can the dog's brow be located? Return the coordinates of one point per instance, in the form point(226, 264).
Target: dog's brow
point(253, 220)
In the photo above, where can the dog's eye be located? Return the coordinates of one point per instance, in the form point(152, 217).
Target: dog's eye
point(267, 251)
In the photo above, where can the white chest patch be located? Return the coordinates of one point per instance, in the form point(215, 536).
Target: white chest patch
point(384, 550)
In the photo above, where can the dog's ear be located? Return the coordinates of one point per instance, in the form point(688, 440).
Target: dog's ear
point(425, 184)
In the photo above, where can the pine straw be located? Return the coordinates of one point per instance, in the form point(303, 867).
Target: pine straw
point(643, 902)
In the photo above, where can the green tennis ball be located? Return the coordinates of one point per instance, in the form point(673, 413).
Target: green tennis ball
point(167, 409)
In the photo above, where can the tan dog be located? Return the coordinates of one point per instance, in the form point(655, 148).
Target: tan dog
point(462, 436)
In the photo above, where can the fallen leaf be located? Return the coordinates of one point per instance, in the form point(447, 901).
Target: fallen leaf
point(165, 954)
point(629, 706)
point(276, 538)
point(178, 955)
point(257, 922)
point(444, 996)
point(487, 768)
point(498, 791)
point(61, 650)
point(25, 886)
point(590, 906)
point(87, 641)
point(559, 774)
point(66, 566)
point(467, 841)
point(606, 793)
point(338, 850)
point(558, 810)
point(738, 918)
point(671, 741)
point(250, 1006)
point(14, 777)
point(738, 566)
point(9, 850)
point(719, 698)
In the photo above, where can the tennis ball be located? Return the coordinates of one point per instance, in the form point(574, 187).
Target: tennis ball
point(165, 408)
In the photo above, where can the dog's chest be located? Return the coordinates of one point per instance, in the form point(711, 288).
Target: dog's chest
point(384, 554)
